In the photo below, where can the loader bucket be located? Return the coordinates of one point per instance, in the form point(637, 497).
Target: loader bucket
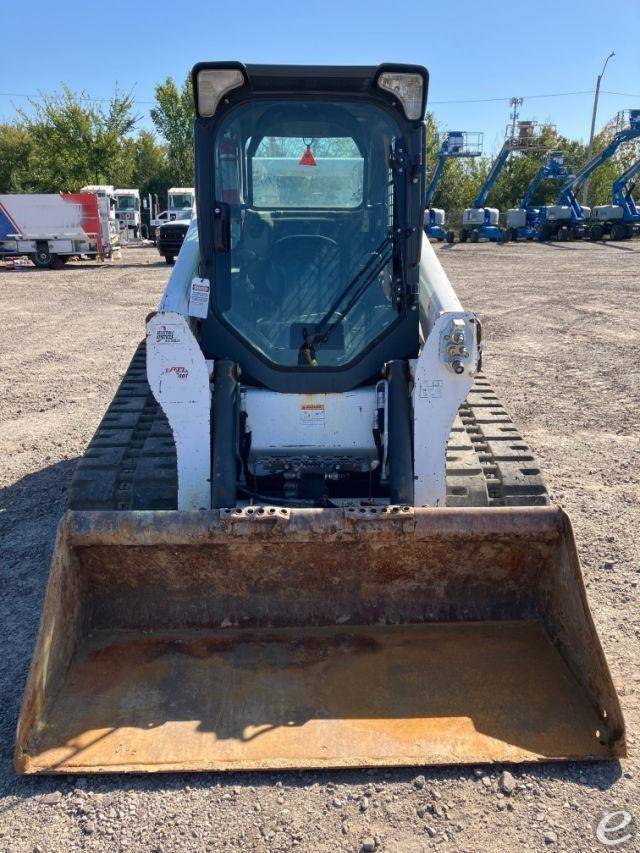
point(270, 638)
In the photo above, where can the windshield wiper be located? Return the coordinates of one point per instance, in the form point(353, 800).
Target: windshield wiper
point(356, 287)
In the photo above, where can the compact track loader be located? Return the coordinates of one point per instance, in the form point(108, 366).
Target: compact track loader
point(306, 533)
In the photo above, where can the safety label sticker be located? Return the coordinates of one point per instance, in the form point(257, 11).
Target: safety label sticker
point(431, 388)
point(199, 298)
point(312, 414)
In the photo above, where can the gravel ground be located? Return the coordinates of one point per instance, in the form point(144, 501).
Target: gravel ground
point(560, 322)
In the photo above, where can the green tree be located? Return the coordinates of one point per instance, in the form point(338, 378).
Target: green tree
point(150, 169)
point(75, 141)
point(15, 148)
point(173, 118)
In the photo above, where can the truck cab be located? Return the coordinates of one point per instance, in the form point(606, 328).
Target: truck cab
point(180, 202)
point(128, 212)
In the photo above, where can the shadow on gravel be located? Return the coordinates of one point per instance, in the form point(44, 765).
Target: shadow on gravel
point(620, 248)
point(30, 510)
point(558, 246)
point(593, 776)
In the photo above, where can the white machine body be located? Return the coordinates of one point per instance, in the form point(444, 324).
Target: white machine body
point(558, 212)
point(298, 433)
point(516, 217)
point(607, 213)
point(328, 433)
point(437, 216)
point(480, 216)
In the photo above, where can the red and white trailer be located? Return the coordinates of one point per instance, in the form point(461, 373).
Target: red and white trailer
point(51, 228)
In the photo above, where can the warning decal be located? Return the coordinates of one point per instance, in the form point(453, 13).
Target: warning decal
point(312, 415)
point(199, 298)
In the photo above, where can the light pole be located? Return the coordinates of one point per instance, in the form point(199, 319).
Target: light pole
point(585, 188)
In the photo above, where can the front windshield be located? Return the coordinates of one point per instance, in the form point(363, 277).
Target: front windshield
point(180, 202)
point(308, 189)
point(126, 202)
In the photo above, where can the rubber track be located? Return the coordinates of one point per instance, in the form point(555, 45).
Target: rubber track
point(510, 471)
point(130, 462)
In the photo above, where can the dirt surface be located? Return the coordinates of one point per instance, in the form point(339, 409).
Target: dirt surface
point(561, 326)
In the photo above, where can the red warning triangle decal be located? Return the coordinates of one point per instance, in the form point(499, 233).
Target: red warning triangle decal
point(307, 158)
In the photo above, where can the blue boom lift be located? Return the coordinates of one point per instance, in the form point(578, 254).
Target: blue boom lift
point(620, 219)
point(527, 221)
point(568, 218)
point(456, 144)
point(480, 222)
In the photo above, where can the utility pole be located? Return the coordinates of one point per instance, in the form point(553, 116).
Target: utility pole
point(515, 103)
point(585, 187)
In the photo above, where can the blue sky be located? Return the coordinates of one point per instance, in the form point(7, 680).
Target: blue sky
point(473, 50)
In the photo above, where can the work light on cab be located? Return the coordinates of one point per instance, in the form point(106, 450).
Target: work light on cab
point(213, 84)
point(408, 88)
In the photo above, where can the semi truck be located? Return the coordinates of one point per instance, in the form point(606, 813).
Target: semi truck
point(180, 206)
point(51, 228)
point(128, 212)
point(180, 200)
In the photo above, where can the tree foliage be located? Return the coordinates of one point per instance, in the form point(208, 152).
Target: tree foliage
point(151, 173)
point(67, 140)
point(75, 141)
point(15, 148)
point(173, 118)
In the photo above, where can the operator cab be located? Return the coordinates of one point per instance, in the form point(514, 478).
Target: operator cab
point(310, 211)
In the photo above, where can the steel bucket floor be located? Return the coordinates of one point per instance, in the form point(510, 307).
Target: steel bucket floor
point(315, 697)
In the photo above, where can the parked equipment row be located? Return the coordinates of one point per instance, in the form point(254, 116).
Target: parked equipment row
point(567, 219)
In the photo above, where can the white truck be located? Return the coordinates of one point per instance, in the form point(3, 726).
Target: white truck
point(128, 212)
point(180, 202)
point(181, 205)
point(51, 228)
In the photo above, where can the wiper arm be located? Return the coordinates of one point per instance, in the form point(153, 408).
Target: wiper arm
point(356, 287)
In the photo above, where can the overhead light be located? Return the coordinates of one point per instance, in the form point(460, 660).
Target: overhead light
point(407, 87)
point(213, 84)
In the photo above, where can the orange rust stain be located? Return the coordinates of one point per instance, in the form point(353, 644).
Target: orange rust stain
point(313, 697)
